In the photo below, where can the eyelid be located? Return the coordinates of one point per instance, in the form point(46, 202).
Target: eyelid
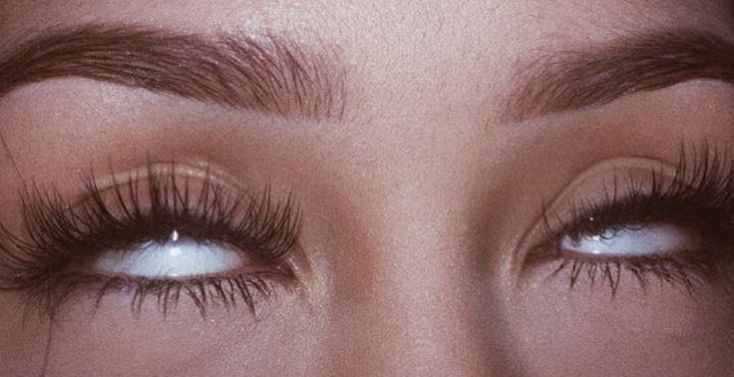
point(606, 178)
point(193, 170)
point(593, 184)
point(193, 193)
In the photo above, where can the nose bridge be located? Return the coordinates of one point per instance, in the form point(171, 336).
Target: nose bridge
point(426, 316)
point(422, 314)
point(413, 297)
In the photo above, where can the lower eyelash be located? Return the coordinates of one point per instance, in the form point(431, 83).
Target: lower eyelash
point(227, 292)
point(685, 274)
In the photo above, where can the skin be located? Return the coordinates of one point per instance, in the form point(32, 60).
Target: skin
point(419, 204)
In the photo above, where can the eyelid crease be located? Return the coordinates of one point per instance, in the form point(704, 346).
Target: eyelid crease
point(626, 165)
point(198, 170)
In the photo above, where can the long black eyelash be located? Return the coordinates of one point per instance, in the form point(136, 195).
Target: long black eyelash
point(59, 234)
point(699, 197)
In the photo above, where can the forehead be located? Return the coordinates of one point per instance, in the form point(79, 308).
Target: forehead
point(433, 20)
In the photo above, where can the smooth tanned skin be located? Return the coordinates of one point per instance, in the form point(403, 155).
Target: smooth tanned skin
point(421, 141)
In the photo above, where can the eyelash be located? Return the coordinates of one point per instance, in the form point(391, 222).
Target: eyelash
point(60, 234)
point(698, 197)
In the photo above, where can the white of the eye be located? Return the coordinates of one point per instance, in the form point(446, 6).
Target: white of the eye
point(649, 240)
point(176, 258)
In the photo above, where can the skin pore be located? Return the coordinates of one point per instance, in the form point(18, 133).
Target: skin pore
point(421, 142)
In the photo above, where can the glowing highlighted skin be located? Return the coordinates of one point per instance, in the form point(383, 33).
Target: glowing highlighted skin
point(179, 257)
point(642, 241)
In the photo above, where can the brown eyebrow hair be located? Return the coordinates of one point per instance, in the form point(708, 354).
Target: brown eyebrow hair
point(264, 73)
point(570, 80)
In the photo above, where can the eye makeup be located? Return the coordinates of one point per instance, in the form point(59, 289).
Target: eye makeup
point(675, 226)
point(105, 241)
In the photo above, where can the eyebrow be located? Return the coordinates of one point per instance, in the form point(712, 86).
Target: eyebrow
point(263, 73)
point(569, 80)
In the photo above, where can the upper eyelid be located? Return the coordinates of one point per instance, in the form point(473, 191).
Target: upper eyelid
point(194, 170)
point(703, 174)
point(601, 182)
point(270, 224)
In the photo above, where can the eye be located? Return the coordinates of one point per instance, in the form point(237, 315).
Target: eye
point(634, 240)
point(160, 234)
point(176, 258)
point(638, 220)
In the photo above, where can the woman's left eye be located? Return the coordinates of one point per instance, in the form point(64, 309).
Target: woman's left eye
point(652, 240)
point(178, 257)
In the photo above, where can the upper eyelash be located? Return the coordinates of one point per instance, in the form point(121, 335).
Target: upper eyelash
point(699, 196)
point(701, 189)
point(57, 232)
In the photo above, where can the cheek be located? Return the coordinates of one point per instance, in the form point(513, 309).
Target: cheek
point(661, 331)
point(105, 341)
point(22, 340)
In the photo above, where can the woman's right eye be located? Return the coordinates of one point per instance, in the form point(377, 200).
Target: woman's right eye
point(161, 235)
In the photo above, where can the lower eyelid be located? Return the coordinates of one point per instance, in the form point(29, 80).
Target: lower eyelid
point(243, 291)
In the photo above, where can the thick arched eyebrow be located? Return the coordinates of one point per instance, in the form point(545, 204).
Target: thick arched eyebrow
point(262, 73)
point(568, 80)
